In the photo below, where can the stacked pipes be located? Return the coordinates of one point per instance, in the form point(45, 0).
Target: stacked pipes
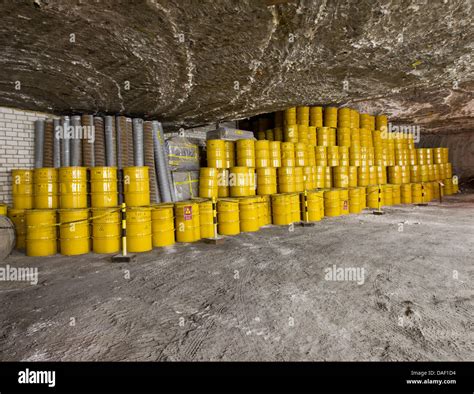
point(48, 143)
point(110, 142)
point(87, 145)
point(75, 142)
point(99, 142)
point(163, 172)
point(65, 152)
point(39, 138)
point(150, 161)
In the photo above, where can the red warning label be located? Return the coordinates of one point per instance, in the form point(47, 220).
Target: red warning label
point(188, 212)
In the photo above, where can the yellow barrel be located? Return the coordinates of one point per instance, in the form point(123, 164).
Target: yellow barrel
point(18, 217)
point(312, 138)
point(343, 135)
point(136, 186)
point(229, 154)
point(187, 221)
point(395, 175)
point(387, 195)
point(299, 179)
point(267, 201)
point(281, 209)
point(381, 174)
point(316, 116)
point(302, 115)
point(309, 177)
point(228, 220)
point(448, 170)
point(162, 225)
point(424, 174)
point(315, 205)
point(416, 193)
point(262, 154)
point(245, 153)
point(303, 136)
point(363, 196)
point(435, 190)
point(321, 156)
point(278, 134)
point(355, 155)
point(261, 135)
point(262, 211)
point(208, 182)
point(396, 194)
point(332, 202)
point(290, 115)
point(73, 187)
point(287, 179)
point(330, 117)
point(275, 154)
point(373, 178)
point(269, 135)
point(353, 176)
point(328, 177)
point(415, 173)
point(223, 183)
point(106, 230)
point(41, 234)
point(374, 194)
point(310, 155)
point(104, 192)
point(344, 201)
point(344, 156)
point(427, 191)
point(448, 186)
point(300, 154)
point(340, 176)
point(333, 156)
point(344, 117)
point(295, 207)
point(248, 214)
point(320, 177)
point(405, 191)
point(252, 181)
point(3, 209)
point(216, 154)
point(74, 231)
point(266, 181)
point(206, 219)
point(287, 154)
point(239, 182)
point(290, 133)
point(363, 176)
point(46, 188)
point(139, 234)
point(22, 189)
point(355, 203)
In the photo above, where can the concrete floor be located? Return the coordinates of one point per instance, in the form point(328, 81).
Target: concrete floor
point(261, 296)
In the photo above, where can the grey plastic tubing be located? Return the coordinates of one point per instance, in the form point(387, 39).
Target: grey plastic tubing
point(76, 143)
point(65, 152)
point(138, 153)
point(161, 163)
point(110, 147)
point(39, 143)
point(56, 144)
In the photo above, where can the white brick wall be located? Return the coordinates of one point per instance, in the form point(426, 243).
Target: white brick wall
point(16, 144)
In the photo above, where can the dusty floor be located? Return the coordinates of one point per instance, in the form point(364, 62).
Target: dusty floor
point(261, 296)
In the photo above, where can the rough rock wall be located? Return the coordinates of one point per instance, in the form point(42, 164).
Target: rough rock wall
point(192, 62)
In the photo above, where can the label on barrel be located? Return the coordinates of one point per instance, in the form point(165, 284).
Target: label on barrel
point(188, 212)
point(345, 205)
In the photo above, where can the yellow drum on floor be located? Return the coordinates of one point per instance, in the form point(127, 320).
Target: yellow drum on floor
point(41, 234)
point(187, 223)
point(73, 187)
point(375, 197)
point(344, 201)
point(136, 186)
point(104, 192)
point(266, 181)
point(239, 182)
point(281, 209)
point(355, 204)
point(287, 154)
point(262, 154)
point(315, 205)
point(245, 153)
point(248, 211)
point(416, 196)
point(387, 195)
point(216, 154)
point(448, 187)
point(295, 207)
point(266, 201)
point(363, 197)
point(262, 211)
point(426, 192)
point(229, 154)
point(435, 190)
point(396, 194)
point(139, 234)
point(223, 183)
point(208, 182)
point(275, 154)
point(18, 217)
point(74, 231)
point(206, 219)
point(46, 188)
point(22, 189)
point(106, 230)
point(162, 225)
point(405, 191)
point(3, 209)
point(332, 203)
point(228, 221)
point(287, 179)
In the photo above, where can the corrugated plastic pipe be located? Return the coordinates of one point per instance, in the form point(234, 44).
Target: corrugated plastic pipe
point(76, 142)
point(110, 144)
point(39, 143)
point(65, 152)
point(161, 163)
point(56, 144)
point(138, 154)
